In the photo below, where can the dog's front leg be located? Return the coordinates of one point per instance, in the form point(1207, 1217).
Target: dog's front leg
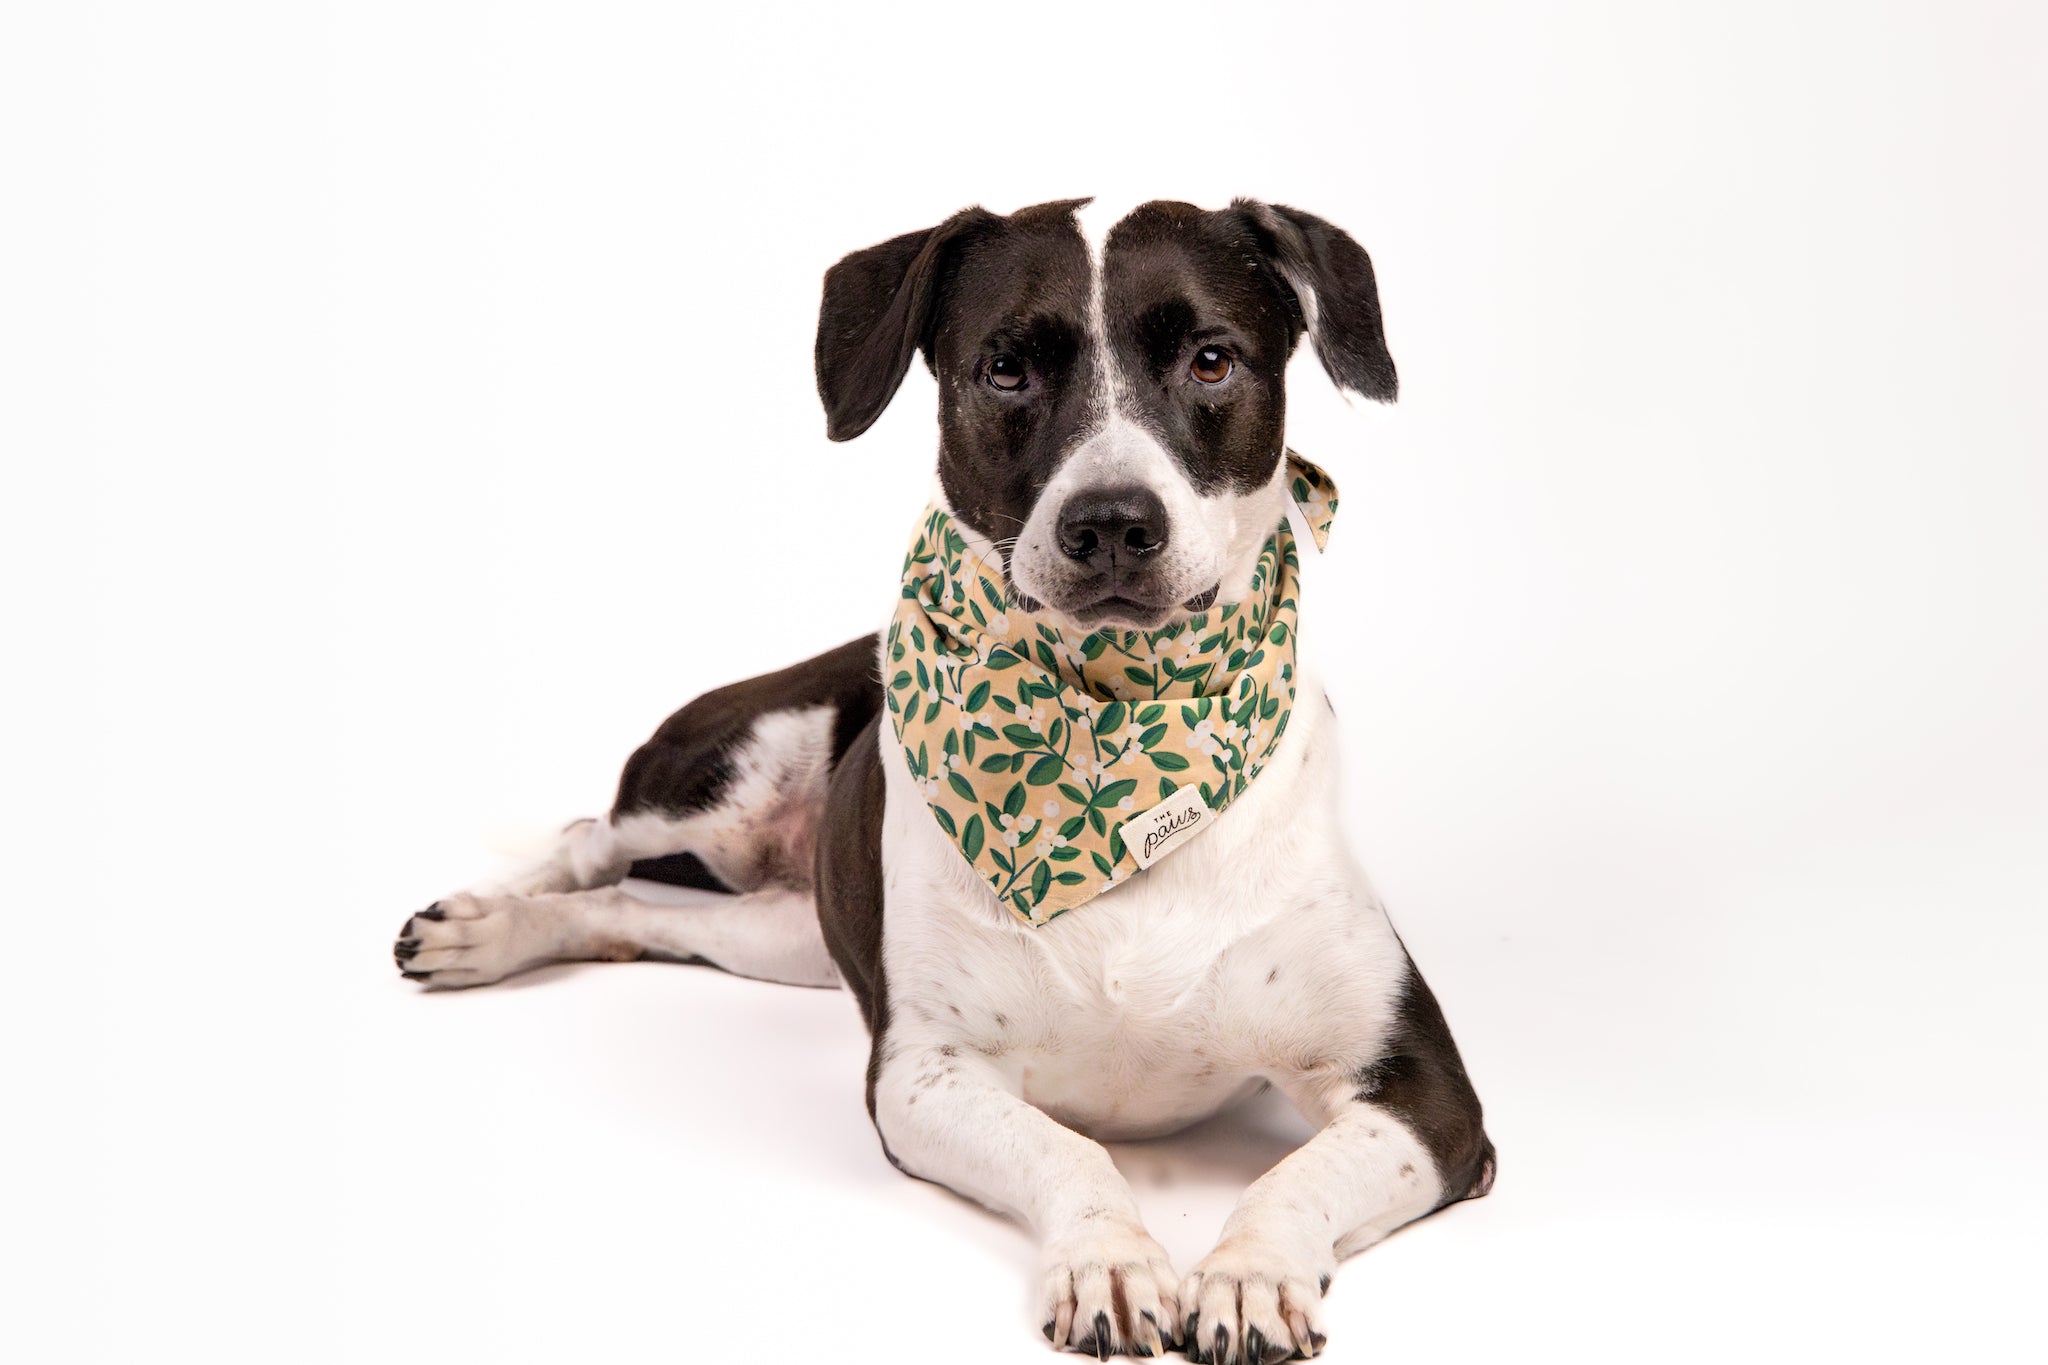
point(1258, 1296)
point(947, 1115)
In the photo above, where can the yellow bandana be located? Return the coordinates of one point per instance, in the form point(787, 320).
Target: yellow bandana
point(1038, 754)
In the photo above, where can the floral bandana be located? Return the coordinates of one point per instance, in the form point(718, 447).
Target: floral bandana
point(1039, 755)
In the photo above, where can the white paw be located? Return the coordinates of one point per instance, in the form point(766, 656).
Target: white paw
point(1108, 1290)
point(469, 940)
point(1253, 1303)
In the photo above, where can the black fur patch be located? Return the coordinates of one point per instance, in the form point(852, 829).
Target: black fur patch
point(687, 765)
point(1422, 1082)
point(678, 869)
point(849, 885)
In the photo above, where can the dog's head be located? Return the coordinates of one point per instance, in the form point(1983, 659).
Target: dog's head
point(1111, 394)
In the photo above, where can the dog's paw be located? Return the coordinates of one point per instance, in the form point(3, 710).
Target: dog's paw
point(1108, 1289)
point(1251, 1303)
point(469, 940)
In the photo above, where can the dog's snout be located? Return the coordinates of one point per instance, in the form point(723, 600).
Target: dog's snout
point(1124, 524)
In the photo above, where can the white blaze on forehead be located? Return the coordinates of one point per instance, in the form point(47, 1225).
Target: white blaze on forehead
point(1095, 219)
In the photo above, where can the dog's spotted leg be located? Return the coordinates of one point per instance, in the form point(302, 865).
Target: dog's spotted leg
point(473, 940)
point(1399, 1140)
point(949, 1116)
point(1258, 1296)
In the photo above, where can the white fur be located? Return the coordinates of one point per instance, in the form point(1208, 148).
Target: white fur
point(479, 939)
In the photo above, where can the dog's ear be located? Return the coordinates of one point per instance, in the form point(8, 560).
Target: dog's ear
point(1338, 300)
point(879, 307)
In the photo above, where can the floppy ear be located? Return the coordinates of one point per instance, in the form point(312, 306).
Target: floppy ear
point(1332, 281)
point(879, 307)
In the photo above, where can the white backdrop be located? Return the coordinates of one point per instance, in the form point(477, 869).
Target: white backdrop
point(383, 384)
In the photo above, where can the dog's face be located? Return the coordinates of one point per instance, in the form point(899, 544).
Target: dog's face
point(1112, 395)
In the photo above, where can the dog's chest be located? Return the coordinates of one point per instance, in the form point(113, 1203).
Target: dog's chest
point(1154, 1003)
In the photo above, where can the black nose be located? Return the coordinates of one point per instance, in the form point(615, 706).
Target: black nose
point(1112, 524)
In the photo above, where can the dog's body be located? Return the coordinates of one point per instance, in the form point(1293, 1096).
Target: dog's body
point(1136, 460)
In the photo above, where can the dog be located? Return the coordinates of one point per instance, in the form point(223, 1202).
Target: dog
point(1111, 461)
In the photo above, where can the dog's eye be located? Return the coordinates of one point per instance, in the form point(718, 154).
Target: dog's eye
point(1210, 365)
point(1006, 372)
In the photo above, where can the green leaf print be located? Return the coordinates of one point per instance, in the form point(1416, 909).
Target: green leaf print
point(970, 837)
point(1115, 792)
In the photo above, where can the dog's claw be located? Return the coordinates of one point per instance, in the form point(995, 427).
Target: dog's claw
point(1304, 1335)
point(434, 912)
point(1149, 1341)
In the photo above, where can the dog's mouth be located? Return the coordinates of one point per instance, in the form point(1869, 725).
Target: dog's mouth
point(1119, 604)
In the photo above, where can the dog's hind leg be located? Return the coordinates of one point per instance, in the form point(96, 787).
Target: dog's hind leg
point(725, 798)
point(588, 853)
point(726, 794)
point(473, 940)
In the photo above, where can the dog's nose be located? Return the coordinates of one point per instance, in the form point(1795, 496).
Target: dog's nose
point(1123, 524)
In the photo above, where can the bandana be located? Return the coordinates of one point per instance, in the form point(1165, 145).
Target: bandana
point(1060, 767)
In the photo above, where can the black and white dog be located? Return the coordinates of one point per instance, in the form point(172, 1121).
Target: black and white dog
point(1078, 353)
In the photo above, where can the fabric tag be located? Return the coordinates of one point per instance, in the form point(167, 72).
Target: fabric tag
point(1153, 833)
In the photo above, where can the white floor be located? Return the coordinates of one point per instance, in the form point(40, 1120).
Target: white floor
point(1778, 1111)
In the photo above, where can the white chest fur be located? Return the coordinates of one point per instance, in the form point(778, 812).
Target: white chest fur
point(1258, 951)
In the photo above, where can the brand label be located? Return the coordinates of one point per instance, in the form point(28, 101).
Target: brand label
point(1152, 834)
